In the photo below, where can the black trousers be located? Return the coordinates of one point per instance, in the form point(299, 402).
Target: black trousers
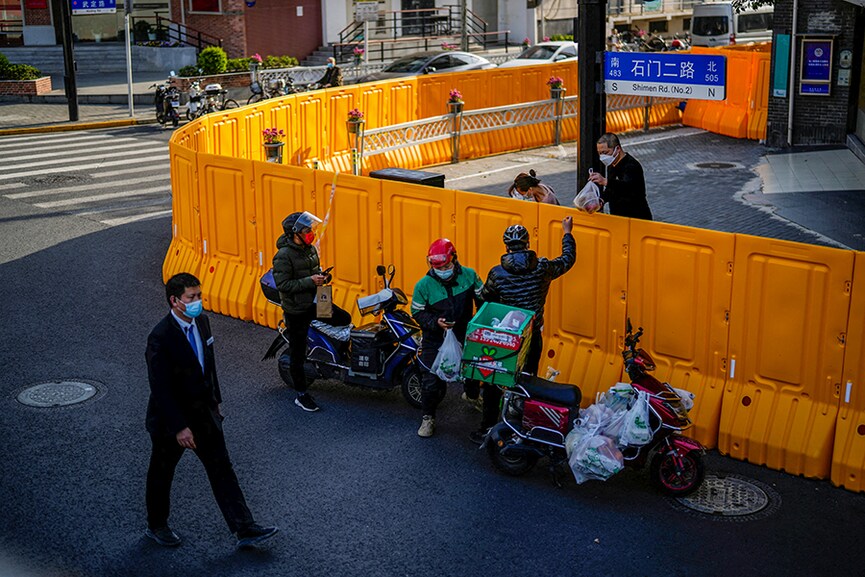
point(211, 451)
point(493, 395)
point(298, 327)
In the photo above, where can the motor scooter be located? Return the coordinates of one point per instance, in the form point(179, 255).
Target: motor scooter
point(378, 355)
point(194, 107)
point(167, 101)
point(538, 414)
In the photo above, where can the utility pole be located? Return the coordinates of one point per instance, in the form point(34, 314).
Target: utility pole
point(69, 60)
point(127, 9)
point(464, 20)
point(590, 67)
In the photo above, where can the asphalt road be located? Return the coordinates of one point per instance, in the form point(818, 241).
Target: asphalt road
point(353, 488)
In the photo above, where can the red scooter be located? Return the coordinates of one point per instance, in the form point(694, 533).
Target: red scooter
point(538, 414)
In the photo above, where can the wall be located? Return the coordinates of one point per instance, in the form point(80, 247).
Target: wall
point(816, 119)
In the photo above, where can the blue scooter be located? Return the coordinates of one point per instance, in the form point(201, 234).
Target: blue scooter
point(377, 355)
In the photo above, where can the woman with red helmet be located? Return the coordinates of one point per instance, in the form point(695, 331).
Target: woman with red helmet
point(444, 299)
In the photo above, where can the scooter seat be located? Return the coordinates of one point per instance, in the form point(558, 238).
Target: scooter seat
point(544, 390)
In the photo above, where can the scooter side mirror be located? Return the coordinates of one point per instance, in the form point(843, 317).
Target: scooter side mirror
point(380, 270)
point(391, 270)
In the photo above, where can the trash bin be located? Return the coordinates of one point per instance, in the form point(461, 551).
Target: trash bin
point(414, 176)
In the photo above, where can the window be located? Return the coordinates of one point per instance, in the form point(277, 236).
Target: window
point(568, 52)
point(204, 6)
point(754, 22)
point(711, 26)
point(686, 24)
point(658, 26)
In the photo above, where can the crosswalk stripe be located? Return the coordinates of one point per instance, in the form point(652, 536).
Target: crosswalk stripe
point(12, 185)
point(66, 159)
point(98, 197)
point(47, 140)
point(79, 167)
point(135, 218)
point(123, 171)
point(81, 187)
point(118, 144)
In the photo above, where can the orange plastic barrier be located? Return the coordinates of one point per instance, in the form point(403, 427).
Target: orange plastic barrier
point(848, 456)
point(184, 252)
point(679, 284)
point(789, 309)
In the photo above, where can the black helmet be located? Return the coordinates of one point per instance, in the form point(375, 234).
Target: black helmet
point(516, 237)
point(298, 221)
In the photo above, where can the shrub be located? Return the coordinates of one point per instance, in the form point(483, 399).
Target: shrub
point(140, 30)
point(4, 63)
point(188, 71)
point(279, 62)
point(238, 64)
point(20, 72)
point(212, 60)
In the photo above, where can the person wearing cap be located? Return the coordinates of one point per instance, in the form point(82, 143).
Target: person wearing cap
point(332, 75)
point(297, 273)
point(529, 187)
point(523, 280)
point(443, 299)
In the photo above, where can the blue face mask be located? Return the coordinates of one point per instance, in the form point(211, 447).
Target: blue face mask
point(330, 64)
point(444, 274)
point(193, 309)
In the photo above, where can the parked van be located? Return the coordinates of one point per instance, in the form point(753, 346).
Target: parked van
point(717, 24)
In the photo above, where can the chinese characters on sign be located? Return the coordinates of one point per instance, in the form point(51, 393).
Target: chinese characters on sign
point(666, 75)
point(93, 7)
point(816, 74)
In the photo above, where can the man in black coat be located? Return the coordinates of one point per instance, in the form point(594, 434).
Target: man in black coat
point(624, 187)
point(523, 280)
point(183, 413)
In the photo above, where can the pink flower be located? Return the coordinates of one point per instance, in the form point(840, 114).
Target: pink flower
point(555, 82)
point(256, 57)
point(455, 95)
point(355, 114)
point(273, 135)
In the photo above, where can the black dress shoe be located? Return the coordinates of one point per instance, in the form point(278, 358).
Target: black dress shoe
point(165, 536)
point(255, 535)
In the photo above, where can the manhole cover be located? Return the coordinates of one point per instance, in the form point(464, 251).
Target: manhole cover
point(57, 394)
point(715, 165)
point(730, 497)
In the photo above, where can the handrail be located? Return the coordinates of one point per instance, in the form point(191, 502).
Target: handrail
point(177, 32)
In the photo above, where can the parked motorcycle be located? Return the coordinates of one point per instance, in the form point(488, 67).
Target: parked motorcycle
point(194, 106)
point(167, 102)
point(378, 355)
point(538, 414)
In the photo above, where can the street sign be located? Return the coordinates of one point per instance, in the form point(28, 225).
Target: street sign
point(93, 7)
point(666, 75)
point(366, 11)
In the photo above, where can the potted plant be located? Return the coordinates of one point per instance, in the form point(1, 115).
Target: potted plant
point(358, 55)
point(274, 141)
point(355, 121)
point(448, 46)
point(526, 42)
point(141, 30)
point(557, 88)
point(455, 101)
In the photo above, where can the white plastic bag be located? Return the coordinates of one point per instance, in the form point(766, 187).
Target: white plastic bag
point(635, 431)
point(592, 455)
point(447, 363)
point(589, 198)
point(687, 398)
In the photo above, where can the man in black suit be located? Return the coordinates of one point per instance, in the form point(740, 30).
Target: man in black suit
point(183, 413)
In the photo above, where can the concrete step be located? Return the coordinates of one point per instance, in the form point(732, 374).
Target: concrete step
point(102, 58)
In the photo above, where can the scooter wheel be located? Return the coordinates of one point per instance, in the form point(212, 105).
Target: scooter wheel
point(513, 465)
point(410, 385)
point(175, 121)
point(678, 479)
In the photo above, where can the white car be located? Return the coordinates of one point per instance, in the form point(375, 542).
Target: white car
point(544, 52)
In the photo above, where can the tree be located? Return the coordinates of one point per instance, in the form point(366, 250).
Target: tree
point(740, 5)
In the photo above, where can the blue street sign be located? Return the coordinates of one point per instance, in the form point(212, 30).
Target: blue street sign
point(666, 75)
point(93, 7)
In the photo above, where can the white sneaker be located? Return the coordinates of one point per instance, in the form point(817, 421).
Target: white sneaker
point(476, 404)
point(427, 426)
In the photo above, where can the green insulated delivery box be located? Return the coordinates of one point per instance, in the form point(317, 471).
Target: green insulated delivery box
point(497, 343)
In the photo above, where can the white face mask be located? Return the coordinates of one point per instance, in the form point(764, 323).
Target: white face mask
point(443, 274)
point(608, 159)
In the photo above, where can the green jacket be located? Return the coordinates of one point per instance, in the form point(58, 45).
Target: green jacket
point(293, 267)
point(453, 299)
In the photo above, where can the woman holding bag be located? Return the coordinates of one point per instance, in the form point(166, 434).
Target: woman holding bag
point(443, 301)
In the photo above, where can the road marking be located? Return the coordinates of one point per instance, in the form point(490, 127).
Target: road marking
point(511, 167)
point(47, 140)
point(133, 143)
point(79, 188)
point(73, 159)
point(79, 167)
point(12, 185)
point(98, 197)
point(135, 218)
point(678, 134)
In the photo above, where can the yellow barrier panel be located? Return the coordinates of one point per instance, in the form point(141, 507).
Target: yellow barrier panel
point(229, 243)
point(413, 218)
point(680, 284)
point(848, 456)
point(278, 191)
point(585, 310)
point(759, 95)
point(184, 253)
point(225, 135)
point(311, 137)
point(789, 313)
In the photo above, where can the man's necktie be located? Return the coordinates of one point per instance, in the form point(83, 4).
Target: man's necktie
point(191, 336)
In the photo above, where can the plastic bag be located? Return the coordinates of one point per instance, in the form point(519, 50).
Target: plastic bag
point(589, 198)
point(687, 398)
point(592, 455)
point(635, 431)
point(447, 363)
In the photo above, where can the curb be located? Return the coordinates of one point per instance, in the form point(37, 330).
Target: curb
point(76, 126)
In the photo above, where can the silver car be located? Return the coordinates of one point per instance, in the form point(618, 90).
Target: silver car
point(429, 63)
point(544, 52)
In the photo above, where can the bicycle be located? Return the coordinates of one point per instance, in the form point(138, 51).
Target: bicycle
point(215, 99)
